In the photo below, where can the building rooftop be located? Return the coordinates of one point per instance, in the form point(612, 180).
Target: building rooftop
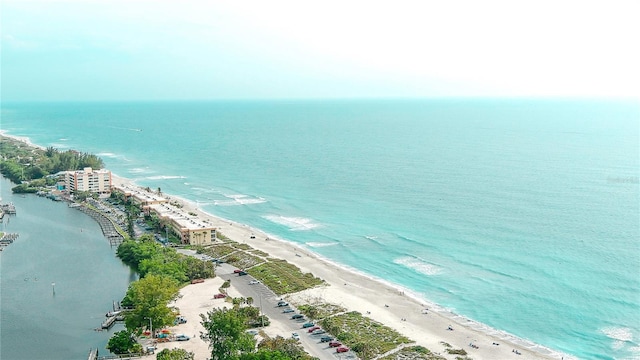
point(141, 195)
point(180, 217)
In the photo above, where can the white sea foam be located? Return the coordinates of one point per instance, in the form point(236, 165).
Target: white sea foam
point(201, 189)
point(107, 154)
point(418, 265)
point(239, 199)
point(320, 244)
point(138, 170)
point(618, 333)
point(63, 139)
point(293, 223)
point(165, 177)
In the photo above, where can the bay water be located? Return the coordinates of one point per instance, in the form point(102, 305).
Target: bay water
point(57, 281)
point(522, 215)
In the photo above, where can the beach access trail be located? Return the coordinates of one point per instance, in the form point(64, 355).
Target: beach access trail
point(418, 320)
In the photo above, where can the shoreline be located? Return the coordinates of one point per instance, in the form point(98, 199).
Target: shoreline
point(371, 294)
point(428, 330)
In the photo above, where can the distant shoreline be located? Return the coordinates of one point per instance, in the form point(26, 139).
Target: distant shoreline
point(361, 292)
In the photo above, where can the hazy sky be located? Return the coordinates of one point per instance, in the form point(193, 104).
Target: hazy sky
point(146, 50)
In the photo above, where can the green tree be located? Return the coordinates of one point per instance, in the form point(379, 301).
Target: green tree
point(175, 354)
point(150, 296)
point(50, 151)
point(290, 348)
point(225, 328)
point(123, 342)
point(265, 355)
point(159, 265)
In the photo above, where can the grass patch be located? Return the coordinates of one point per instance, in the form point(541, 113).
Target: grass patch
point(244, 247)
point(243, 260)
point(456, 351)
point(320, 311)
point(368, 338)
point(259, 253)
point(413, 353)
point(283, 278)
point(221, 236)
point(218, 251)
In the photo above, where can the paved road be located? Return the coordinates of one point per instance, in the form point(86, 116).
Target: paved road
point(269, 300)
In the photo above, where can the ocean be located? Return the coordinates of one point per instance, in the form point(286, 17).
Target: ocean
point(522, 215)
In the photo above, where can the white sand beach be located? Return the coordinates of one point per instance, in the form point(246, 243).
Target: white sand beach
point(418, 320)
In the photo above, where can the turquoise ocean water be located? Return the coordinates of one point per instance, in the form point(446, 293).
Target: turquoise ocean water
point(519, 214)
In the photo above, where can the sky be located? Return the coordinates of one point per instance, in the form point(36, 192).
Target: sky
point(88, 50)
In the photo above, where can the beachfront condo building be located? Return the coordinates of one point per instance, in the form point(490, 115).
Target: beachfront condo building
point(140, 197)
point(189, 228)
point(94, 181)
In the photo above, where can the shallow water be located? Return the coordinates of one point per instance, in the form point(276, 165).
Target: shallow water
point(522, 215)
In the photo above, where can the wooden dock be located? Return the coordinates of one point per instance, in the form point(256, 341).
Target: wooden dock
point(107, 226)
point(108, 322)
point(8, 208)
point(93, 354)
point(7, 239)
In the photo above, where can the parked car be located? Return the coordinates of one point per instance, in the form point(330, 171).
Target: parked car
point(241, 273)
point(326, 339)
point(237, 271)
point(342, 349)
point(307, 325)
point(335, 344)
point(297, 316)
point(318, 332)
point(288, 310)
point(182, 337)
point(282, 303)
point(295, 336)
point(219, 296)
point(313, 329)
point(253, 282)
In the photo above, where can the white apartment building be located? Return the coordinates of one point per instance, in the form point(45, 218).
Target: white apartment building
point(95, 181)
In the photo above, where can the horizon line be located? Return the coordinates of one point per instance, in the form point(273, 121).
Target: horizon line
point(330, 99)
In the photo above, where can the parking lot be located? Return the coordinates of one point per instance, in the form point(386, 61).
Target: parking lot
point(268, 302)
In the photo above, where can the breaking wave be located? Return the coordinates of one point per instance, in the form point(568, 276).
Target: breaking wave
point(320, 244)
point(165, 177)
point(240, 200)
point(293, 223)
point(418, 265)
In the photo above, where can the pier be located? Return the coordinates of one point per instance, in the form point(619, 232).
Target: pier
point(8, 208)
point(107, 226)
point(7, 239)
point(93, 355)
point(108, 322)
